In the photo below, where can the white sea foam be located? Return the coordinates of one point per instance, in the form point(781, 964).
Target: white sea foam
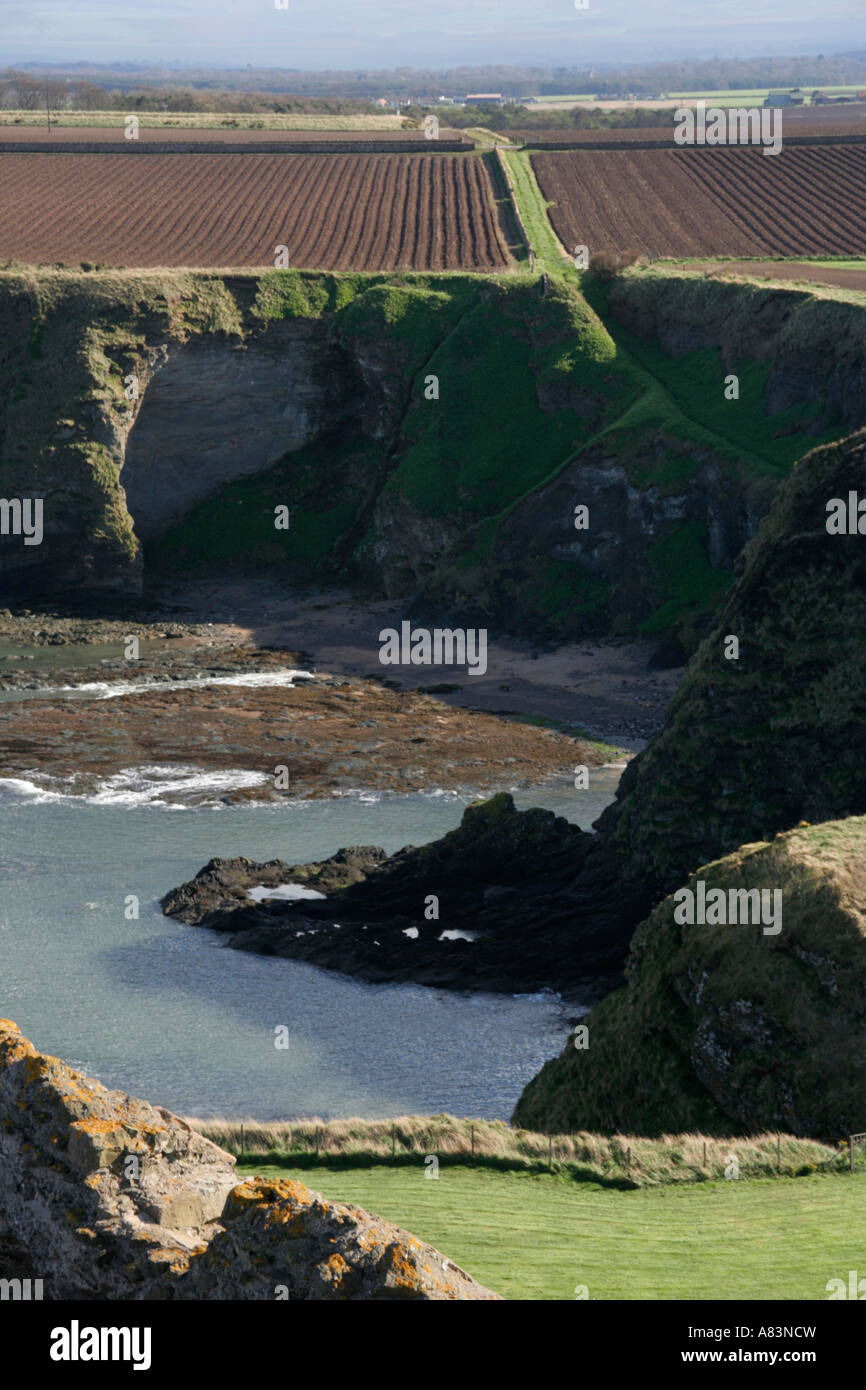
point(288, 891)
point(148, 785)
point(107, 690)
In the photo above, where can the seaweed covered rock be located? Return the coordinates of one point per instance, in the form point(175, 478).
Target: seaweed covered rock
point(282, 1241)
point(738, 1025)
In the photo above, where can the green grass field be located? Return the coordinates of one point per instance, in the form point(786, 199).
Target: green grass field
point(539, 1237)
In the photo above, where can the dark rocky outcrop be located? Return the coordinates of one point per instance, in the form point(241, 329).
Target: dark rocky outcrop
point(751, 747)
point(103, 1196)
point(223, 884)
point(730, 1029)
point(755, 745)
point(534, 902)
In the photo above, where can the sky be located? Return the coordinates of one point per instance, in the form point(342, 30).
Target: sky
point(347, 34)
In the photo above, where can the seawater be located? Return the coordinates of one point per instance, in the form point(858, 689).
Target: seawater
point(165, 1011)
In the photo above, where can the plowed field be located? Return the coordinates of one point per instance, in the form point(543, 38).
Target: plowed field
point(332, 212)
point(807, 200)
point(64, 137)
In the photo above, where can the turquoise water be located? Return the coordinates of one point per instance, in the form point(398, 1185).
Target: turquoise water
point(165, 1011)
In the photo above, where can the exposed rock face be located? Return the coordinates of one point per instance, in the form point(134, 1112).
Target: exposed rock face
point(103, 1196)
point(754, 745)
point(627, 519)
point(729, 1028)
point(107, 1194)
point(215, 410)
point(282, 1241)
point(159, 396)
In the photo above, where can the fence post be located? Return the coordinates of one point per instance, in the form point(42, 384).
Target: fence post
point(705, 1153)
point(550, 1153)
point(851, 1151)
point(779, 1149)
point(393, 1140)
point(628, 1157)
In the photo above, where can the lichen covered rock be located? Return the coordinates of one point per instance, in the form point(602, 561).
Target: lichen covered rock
point(282, 1241)
point(106, 1193)
point(103, 1196)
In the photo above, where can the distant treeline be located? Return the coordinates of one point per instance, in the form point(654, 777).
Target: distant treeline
point(24, 91)
point(643, 80)
point(517, 117)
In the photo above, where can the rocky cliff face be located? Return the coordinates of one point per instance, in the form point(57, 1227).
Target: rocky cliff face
point(758, 738)
point(103, 1196)
point(730, 1027)
point(127, 399)
point(211, 411)
point(431, 436)
point(756, 742)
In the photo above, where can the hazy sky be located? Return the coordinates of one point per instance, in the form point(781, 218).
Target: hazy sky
point(420, 33)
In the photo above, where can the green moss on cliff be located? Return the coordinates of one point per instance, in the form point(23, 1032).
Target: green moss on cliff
point(685, 581)
point(730, 1029)
point(531, 382)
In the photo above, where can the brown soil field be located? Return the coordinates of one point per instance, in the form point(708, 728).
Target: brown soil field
point(332, 212)
point(800, 271)
point(662, 137)
point(112, 137)
point(798, 123)
point(808, 200)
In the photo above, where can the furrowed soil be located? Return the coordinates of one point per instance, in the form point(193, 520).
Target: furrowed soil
point(798, 271)
point(807, 200)
point(195, 138)
point(332, 212)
